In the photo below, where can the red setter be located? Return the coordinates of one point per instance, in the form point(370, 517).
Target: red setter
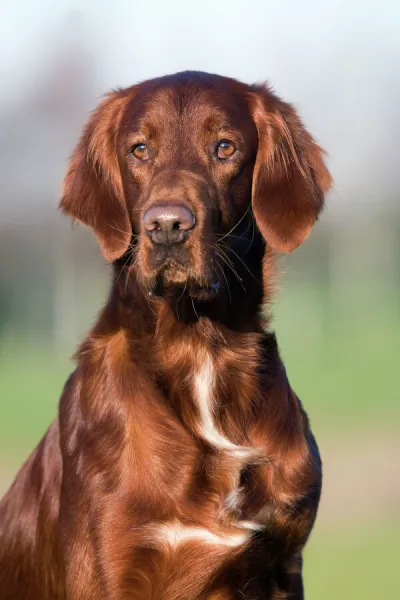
point(181, 465)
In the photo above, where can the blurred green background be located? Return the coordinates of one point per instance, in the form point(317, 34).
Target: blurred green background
point(337, 312)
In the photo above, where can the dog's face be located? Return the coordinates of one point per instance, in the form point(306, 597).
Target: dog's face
point(186, 151)
point(170, 168)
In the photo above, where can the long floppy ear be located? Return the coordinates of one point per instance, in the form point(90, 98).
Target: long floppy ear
point(93, 193)
point(290, 177)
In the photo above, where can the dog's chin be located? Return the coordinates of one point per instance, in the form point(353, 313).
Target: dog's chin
point(178, 282)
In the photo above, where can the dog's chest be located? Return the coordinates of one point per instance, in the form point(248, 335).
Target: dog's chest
point(207, 507)
point(226, 461)
point(206, 402)
point(206, 517)
point(203, 508)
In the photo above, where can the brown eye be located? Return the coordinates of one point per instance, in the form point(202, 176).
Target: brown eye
point(225, 149)
point(140, 152)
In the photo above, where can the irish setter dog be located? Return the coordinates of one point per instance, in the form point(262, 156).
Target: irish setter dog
point(181, 465)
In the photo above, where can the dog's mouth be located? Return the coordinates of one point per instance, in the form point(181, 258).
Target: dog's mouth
point(195, 291)
point(177, 270)
point(174, 278)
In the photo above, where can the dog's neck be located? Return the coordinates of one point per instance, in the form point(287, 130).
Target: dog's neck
point(218, 347)
point(235, 303)
point(217, 344)
point(238, 310)
point(235, 309)
point(210, 363)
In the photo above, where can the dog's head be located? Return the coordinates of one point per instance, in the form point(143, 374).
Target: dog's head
point(174, 170)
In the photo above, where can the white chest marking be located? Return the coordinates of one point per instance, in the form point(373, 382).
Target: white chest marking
point(204, 383)
point(174, 533)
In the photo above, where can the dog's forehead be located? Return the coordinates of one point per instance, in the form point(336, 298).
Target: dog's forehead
point(192, 102)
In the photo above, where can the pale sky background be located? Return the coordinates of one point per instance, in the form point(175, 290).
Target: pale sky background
point(337, 61)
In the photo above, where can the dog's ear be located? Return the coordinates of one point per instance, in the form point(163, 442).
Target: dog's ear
point(290, 177)
point(93, 193)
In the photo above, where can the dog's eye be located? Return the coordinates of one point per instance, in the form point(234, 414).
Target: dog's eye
point(225, 149)
point(140, 152)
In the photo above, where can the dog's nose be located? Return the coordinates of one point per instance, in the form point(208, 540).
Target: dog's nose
point(168, 223)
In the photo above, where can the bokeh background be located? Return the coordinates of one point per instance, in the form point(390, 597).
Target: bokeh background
point(337, 308)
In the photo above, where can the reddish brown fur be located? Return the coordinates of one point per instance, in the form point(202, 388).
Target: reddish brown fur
point(129, 462)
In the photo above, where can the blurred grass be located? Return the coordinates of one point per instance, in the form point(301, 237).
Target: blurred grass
point(31, 383)
point(342, 354)
point(353, 565)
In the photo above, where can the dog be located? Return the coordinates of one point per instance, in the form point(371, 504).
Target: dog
point(181, 465)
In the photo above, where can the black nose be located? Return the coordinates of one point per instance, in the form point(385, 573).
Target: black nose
point(168, 223)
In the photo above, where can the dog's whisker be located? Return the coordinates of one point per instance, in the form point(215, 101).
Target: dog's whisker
point(226, 260)
point(226, 280)
point(242, 261)
point(121, 230)
point(129, 259)
point(194, 308)
point(237, 224)
point(178, 300)
point(219, 236)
